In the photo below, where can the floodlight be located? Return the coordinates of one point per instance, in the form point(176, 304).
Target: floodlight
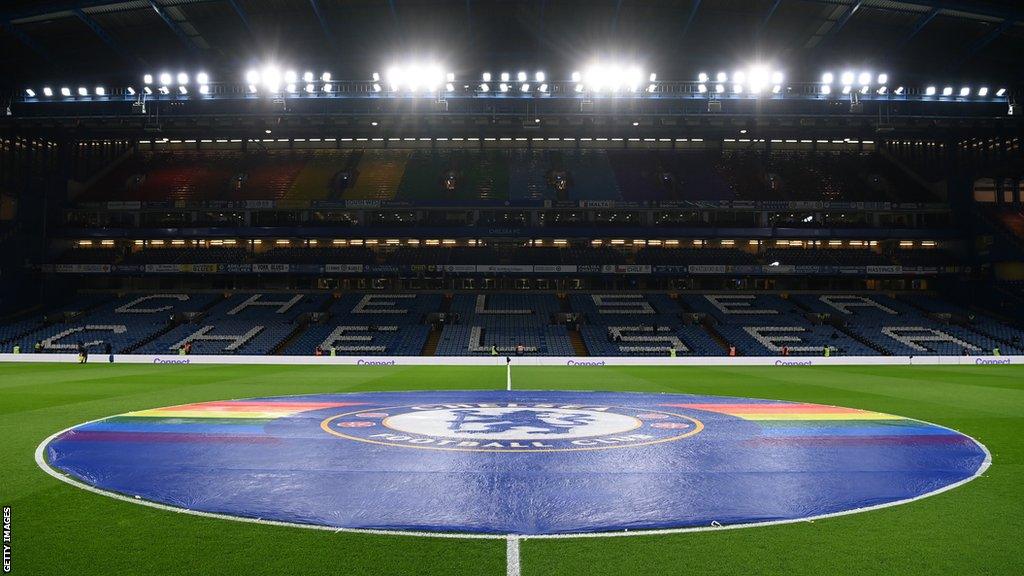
point(147, 90)
point(864, 89)
point(633, 78)
point(881, 90)
point(30, 93)
point(847, 78)
point(846, 89)
point(271, 77)
point(759, 77)
point(65, 91)
point(826, 89)
point(394, 76)
point(307, 76)
point(183, 90)
point(864, 78)
point(521, 76)
point(883, 78)
point(929, 91)
point(485, 88)
point(827, 78)
point(203, 78)
point(983, 91)
point(165, 90)
point(721, 77)
point(719, 88)
point(449, 87)
point(965, 91)
point(252, 88)
point(505, 76)
point(576, 76)
point(325, 77)
point(291, 88)
point(376, 87)
point(291, 77)
point(702, 88)
point(204, 89)
point(327, 87)
point(503, 87)
point(539, 77)
point(702, 77)
point(101, 91)
point(739, 77)
point(898, 91)
point(947, 91)
point(543, 88)
point(130, 90)
point(777, 88)
point(47, 91)
point(579, 88)
point(182, 78)
point(737, 88)
point(82, 91)
point(252, 77)
point(310, 88)
point(614, 77)
point(486, 76)
point(524, 88)
point(1001, 92)
point(147, 79)
point(653, 77)
point(165, 78)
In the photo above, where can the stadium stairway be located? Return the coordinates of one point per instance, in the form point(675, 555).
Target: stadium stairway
point(839, 325)
point(169, 326)
point(430, 346)
point(301, 324)
point(709, 327)
point(578, 345)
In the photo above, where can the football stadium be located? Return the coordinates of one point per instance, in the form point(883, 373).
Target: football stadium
point(511, 287)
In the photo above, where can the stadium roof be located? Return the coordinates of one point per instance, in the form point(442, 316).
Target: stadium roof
point(932, 40)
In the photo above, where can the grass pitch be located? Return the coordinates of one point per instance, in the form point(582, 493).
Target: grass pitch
point(59, 529)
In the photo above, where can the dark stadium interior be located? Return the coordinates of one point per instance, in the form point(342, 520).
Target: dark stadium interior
point(517, 287)
point(503, 210)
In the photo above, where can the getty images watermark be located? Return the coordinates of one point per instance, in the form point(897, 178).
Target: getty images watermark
point(7, 539)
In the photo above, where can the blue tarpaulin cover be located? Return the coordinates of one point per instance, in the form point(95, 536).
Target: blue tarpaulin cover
point(520, 462)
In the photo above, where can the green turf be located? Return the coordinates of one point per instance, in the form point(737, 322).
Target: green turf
point(59, 529)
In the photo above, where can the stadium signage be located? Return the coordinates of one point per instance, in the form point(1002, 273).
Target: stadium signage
point(362, 362)
point(511, 427)
point(585, 363)
point(794, 363)
point(270, 268)
point(980, 361)
point(159, 360)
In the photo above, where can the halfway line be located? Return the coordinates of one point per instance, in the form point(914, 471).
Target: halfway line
point(512, 555)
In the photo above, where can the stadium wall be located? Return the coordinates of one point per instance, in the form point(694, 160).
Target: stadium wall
point(580, 362)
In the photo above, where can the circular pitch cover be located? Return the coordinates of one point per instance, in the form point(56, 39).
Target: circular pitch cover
point(521, 462)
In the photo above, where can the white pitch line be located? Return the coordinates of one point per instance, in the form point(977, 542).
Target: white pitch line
point(512, 555)
point(508, 376)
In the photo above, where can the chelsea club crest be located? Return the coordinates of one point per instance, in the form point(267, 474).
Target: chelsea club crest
point(511, 427)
